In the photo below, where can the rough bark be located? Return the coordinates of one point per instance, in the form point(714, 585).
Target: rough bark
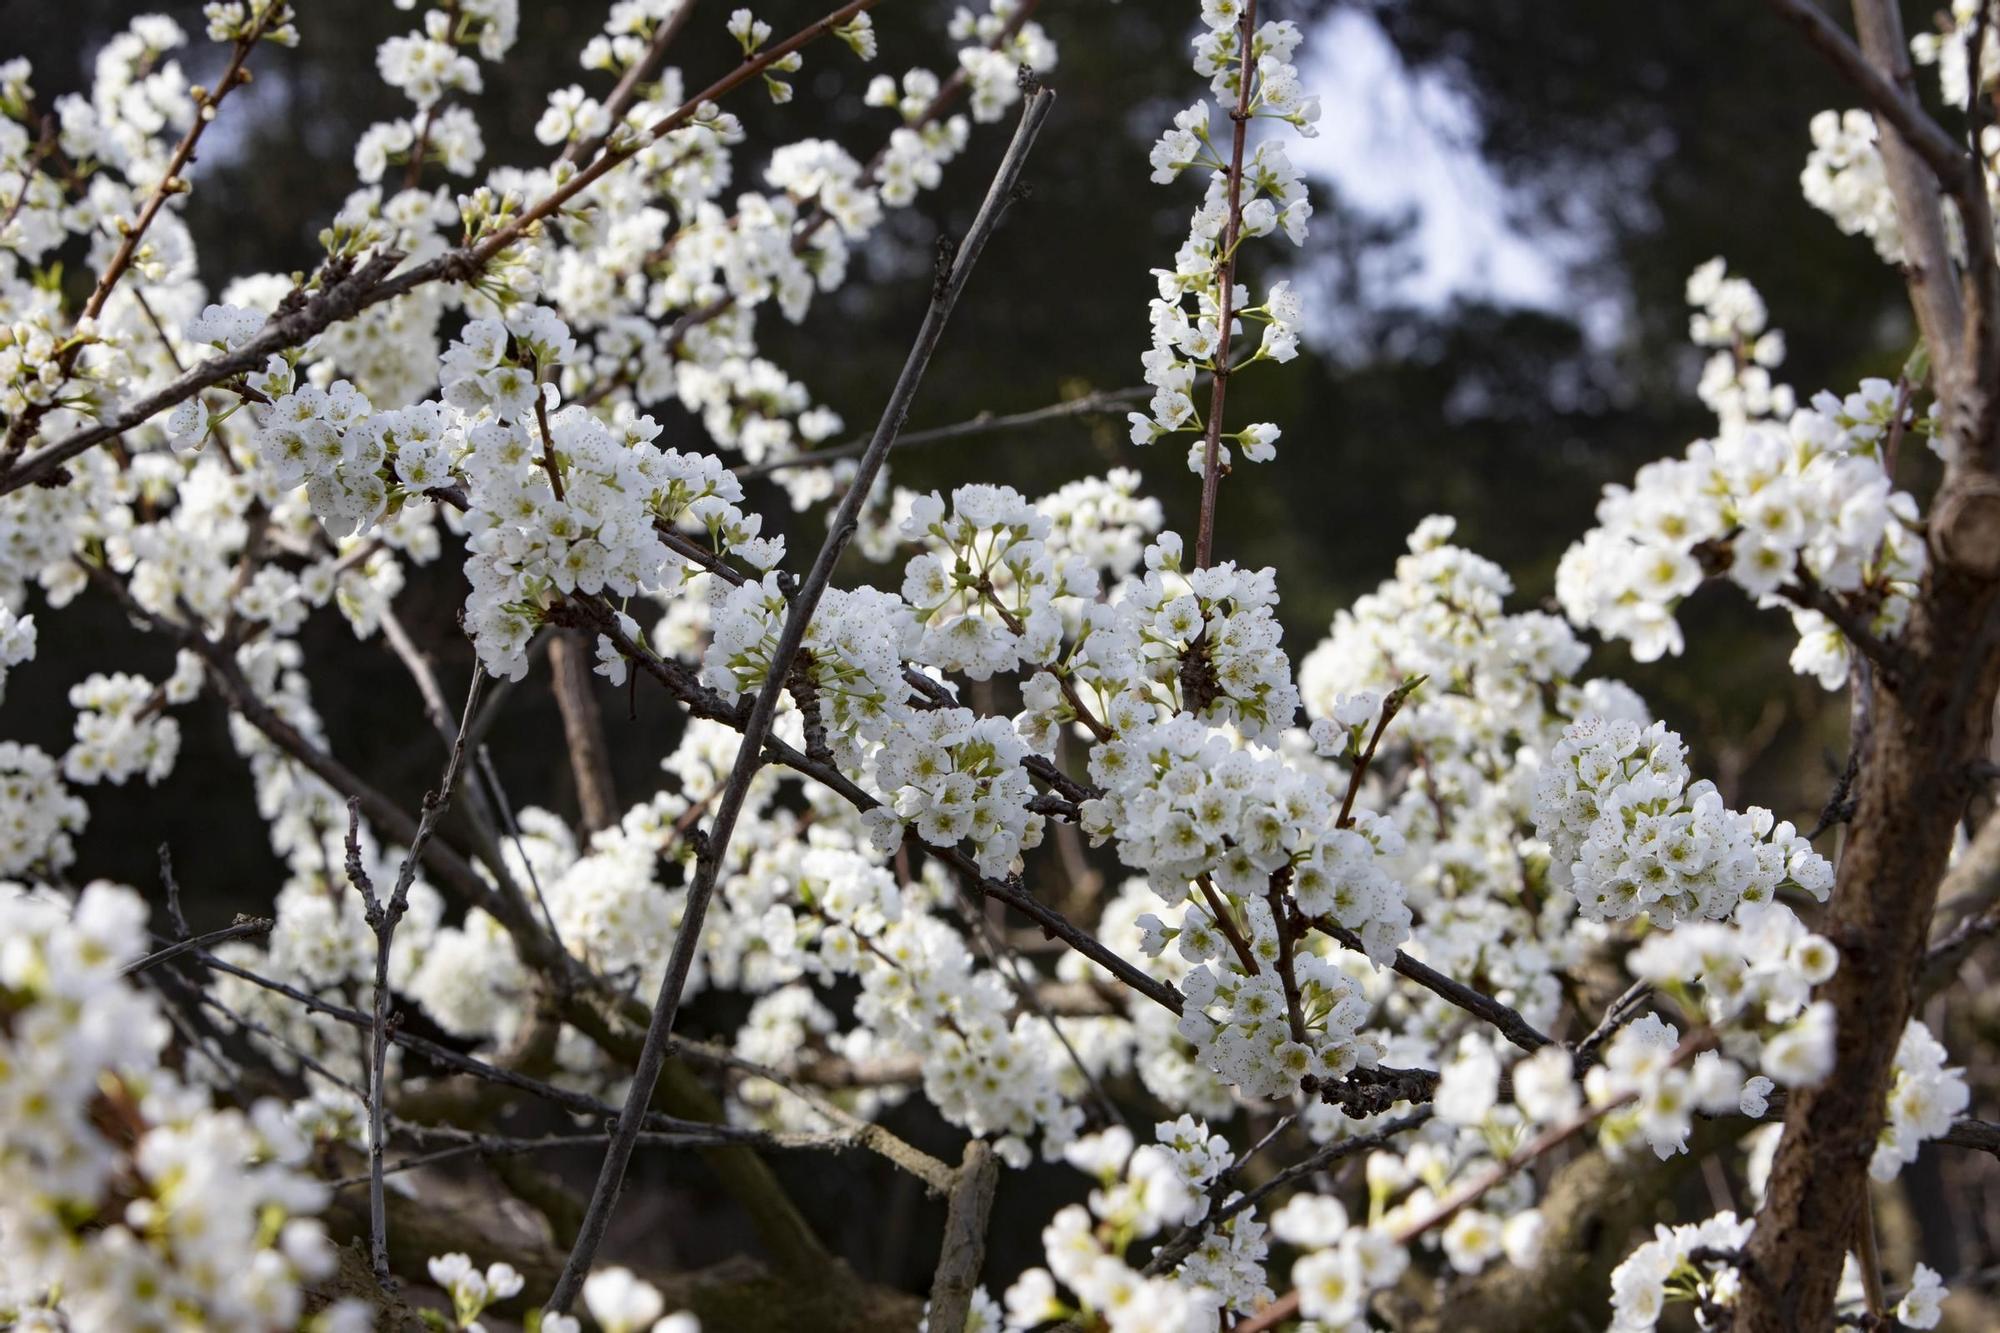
point(963, 1252)
point(1914, 781)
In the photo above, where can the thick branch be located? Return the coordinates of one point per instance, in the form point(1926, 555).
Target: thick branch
point(964, 1248)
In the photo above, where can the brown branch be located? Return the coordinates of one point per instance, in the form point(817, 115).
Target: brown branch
point(964, 1246)
point(170, 183)
point(243, 928)
point(1211, 464)
point(583, 730)
point(1509, 1023)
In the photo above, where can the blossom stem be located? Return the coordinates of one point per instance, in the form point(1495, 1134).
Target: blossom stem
point(383, 917)
point(1211, 459)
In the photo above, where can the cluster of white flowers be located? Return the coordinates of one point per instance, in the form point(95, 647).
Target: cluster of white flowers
point(426, 67)
point(1662, 1096)
point(1247, 196)
point(1189, 808)
point(38, 814)
point(1629, 833)
point(17, 643)
point(1922, 1304)
point(1755, 975)
point(121, 730)
point(471, 1289)
point(1504, 775)
point(849, 671)
point(1925, 1096)
point(1346, 1264)
point(1782, 501)
point(985, 584)
point(1665, 1269)
point(129, 1201)
point(1950, 49)
point(955, 775)
point(1141, 1192)
point(1844, 179)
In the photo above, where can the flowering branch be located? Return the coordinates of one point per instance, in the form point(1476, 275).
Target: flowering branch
point(1469, 1193)
point(627, 90)
point(1211, 458)
point(234, 75)
point(344, 295)
point(756, 728)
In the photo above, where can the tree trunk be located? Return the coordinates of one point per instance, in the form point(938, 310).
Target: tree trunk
point(1931, 721)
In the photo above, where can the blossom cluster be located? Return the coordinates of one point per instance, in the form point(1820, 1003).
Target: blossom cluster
point(1142, 1191)
point(1784, 501)
point(1247, 196)
point(1666, 1268)
point(1628, 832)
point(1925, 1096)
point(130, 1200)
point(41, 815)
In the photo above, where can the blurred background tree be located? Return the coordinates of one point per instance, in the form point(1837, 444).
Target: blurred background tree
point(1617, 145)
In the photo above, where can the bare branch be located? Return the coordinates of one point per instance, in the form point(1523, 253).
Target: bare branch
point(383, 918)
point(964, 1248)
point(243, 928)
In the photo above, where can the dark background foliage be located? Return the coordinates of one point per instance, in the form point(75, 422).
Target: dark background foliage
point(1658, 134)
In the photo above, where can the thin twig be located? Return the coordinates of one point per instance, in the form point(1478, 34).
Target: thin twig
point(243, 928)
point(986, 423)
point(1616, 1015)
point(383, 918)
